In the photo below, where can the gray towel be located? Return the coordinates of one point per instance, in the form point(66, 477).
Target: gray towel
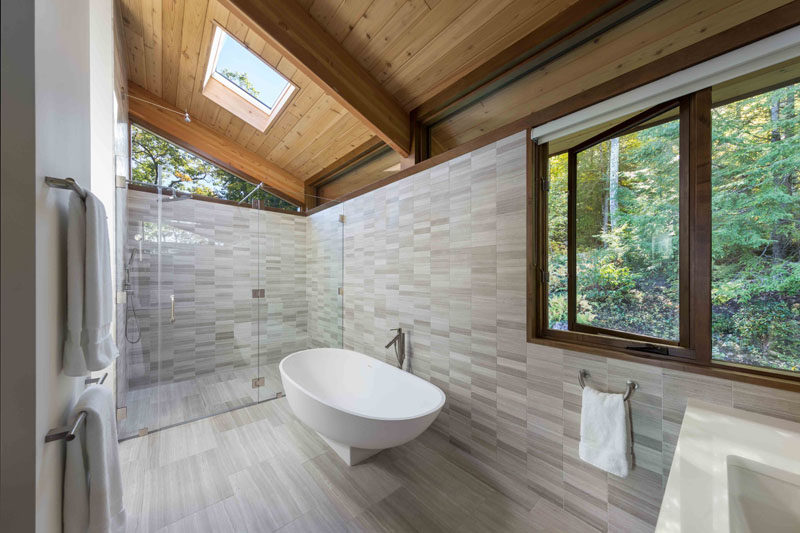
point(92, 476)
point(88, 344)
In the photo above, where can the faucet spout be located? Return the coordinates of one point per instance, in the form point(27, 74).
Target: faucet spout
point(394, 340)
point(399, 342)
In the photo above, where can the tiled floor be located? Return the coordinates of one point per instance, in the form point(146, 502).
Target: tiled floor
point(173, 403)
point(259, 469)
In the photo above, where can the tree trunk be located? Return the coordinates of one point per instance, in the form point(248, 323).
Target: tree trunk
point(778, 246)
point(775, 117)
point(791, 132)
point(613, 181)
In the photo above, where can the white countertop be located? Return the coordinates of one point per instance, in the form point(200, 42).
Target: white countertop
point(714, 439)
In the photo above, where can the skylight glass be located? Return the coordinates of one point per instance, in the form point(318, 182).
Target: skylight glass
point(245, 70)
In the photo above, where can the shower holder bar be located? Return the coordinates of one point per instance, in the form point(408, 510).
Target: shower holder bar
point(630, 385)
point(68, 432)
point(65, 183)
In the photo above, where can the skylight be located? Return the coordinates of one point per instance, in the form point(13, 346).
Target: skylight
point(243, 83)
point(240, 66)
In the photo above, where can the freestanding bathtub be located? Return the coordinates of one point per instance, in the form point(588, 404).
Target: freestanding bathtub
point(358, 404)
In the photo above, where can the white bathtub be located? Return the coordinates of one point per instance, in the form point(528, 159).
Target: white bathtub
point(358, 404)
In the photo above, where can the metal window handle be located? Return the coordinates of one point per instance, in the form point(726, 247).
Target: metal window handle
point(172, 309)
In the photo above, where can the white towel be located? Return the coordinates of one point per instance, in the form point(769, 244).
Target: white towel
point(88, 344)
point(92, 477)
point(605, 434)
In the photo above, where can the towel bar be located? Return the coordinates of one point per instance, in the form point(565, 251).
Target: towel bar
point(89, 381)
point(68, 432)
point(66, 183)
point(630, 385)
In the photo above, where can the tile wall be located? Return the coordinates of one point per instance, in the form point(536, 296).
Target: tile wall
point(442, 254)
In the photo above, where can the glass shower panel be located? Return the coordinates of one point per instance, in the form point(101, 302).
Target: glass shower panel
point(206, 357)
point(283, 307)
point(217, 295)
point(192, 348)
point(141, 314)
point(325, 270)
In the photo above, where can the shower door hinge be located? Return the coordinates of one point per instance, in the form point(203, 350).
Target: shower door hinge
point(259, 293)
point(341, 291)
point(122, 413)
point(342, 219)
point(122, 297)
point(258, 382)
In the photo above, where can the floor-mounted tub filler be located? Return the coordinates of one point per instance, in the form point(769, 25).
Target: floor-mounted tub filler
point(358, 404)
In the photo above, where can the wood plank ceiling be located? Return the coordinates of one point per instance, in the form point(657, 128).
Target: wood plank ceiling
point(414, 48)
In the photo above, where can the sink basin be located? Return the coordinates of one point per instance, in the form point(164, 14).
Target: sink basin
point(761, 497)
point(732, 471)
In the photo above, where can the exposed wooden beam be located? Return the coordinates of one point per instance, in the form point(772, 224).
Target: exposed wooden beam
point(350, 159)
point(290, 29)
point(769, 23)
point(207, 143)
point(420, 143)
point(579, 23)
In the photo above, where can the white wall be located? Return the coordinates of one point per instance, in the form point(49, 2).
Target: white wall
point(71, 53)
point(102, 123)
point(74, 124)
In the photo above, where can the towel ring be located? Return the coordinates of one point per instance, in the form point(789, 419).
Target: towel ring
point(630, 385)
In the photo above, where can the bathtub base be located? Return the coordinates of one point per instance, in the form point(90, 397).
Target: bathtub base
point(349, 454)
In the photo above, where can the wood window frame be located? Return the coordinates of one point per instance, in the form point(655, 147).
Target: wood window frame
point(692, 352)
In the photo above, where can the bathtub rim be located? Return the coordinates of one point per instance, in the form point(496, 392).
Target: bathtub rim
point(423, 414)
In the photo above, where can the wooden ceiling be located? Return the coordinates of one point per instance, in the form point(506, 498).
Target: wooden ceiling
point(168, 43)
point(412, 48)
point(452, 70)
point(417, 48)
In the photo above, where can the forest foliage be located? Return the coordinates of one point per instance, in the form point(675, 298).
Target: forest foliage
point(627, 232)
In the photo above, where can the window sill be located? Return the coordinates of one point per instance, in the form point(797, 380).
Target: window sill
point(756, 376)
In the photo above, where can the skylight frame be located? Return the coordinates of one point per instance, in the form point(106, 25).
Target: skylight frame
point(258, 107)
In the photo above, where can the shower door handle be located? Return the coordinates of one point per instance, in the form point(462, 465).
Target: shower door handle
point(172, 309)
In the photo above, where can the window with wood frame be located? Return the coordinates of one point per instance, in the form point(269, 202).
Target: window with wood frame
point(675, 233)
point(243, 82)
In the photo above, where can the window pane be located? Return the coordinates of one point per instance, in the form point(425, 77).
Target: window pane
point(184, 171)
point(241, 67)
point(557, 242)
point(755, 281)
point(627, 260)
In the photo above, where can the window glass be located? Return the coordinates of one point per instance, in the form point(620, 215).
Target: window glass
point(183, 171)
point(242, 68)
point(755, 280)
point(627, 218)
point(557, 242)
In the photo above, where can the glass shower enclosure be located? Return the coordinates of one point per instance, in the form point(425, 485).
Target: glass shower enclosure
point(216, 294)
